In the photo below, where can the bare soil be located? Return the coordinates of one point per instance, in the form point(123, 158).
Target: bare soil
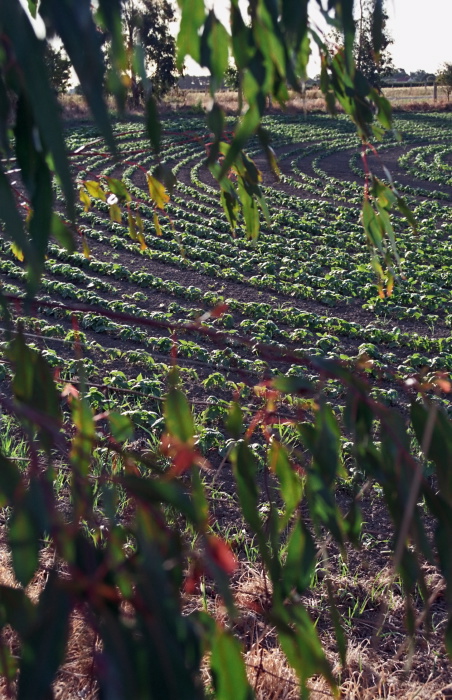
point(381, 661)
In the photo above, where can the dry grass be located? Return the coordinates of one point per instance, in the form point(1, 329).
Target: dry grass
point(377, 666)
point(75, 679)
point(403, 100)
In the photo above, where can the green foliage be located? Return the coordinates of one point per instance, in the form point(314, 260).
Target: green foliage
point(372, 47)
point(146, 24)
point(231, 78)
point(59, 68)
point(444, 78)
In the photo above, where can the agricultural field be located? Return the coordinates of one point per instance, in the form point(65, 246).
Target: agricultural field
point(304, 286)
point(176, 287)
point(406, 98)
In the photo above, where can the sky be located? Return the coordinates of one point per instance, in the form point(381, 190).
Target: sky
point(421, 29)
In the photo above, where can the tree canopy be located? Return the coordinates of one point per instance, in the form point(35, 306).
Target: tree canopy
point(444, 78)
point(59, 68)
point(147, 23)
point(375, 65)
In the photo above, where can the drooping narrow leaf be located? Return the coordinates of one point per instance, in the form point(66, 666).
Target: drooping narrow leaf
point(301, 557)
point(45, 647)
point(178, 416)
point(193, 14)
point(62, 233)
point(13, 223)
point(157, 191)
point(227, 668)
point(23, 539)
point(377, 26)
point(74, 23)
point(439, 447)
point(214, 50)
point(29, 52)
point(153, 125)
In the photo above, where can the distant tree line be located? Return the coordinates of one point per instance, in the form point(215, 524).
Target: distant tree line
point(145, 23)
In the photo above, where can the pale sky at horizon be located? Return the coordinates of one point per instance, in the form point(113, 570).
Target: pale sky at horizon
point(422, 33)
point(421, 30)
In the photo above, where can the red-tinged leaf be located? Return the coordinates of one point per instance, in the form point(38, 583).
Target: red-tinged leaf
point(183, 460)
point(70, 390)
point(182, 454)
point(222, 554)
point(254, 605)
point(219, 310)
point(191, 583)
point(444, 385)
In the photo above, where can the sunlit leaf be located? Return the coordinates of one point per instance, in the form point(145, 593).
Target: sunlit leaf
point(157, 226)
point(95, 190)
point(85, 199)
point(192, 18)
point(178, 416)
point(157, 191)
